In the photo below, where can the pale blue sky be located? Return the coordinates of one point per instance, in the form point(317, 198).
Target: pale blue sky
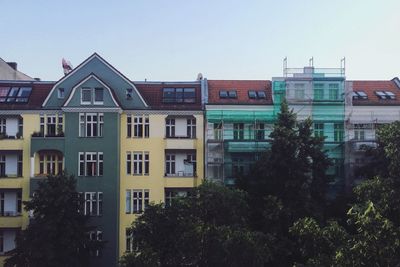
point(223, 39)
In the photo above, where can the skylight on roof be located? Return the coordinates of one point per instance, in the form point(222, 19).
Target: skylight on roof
point(261, 94)
point(385, 95)
point(15, 94)
point(360, 95)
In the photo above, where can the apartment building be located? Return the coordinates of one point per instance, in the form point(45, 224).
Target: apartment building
point(130, 143)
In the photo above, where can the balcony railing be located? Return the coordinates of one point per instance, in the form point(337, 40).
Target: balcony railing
point(41, 134)
point(9, 213)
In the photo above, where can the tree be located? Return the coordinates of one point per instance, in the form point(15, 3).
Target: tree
point(57, 235)
point(289, 182)
point(208, 229)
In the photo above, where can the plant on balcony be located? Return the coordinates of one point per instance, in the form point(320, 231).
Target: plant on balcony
point(37, 134)
point(57, 234)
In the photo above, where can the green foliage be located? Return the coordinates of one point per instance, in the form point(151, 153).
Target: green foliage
point(57, 233)
point(210, 229)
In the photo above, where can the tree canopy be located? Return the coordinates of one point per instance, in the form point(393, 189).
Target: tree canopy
point(57, 234)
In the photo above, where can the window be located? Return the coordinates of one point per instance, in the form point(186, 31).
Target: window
point(20, 126)
point(170, 127)
point(90, 164)
point(146, 126)
point(217, 134)
point(138, 126)
point(318, 129)
point(60, 93)
point(19, 166)
point(223, 94)
point(86, 96)
point(252, 94)
point(19, 202)
point(338, 132)
point(191, 159)
point(259, 131)
point(15, 94)
point(359, 131)
point(2, 165)
point(93, 203)
point(146, 163)
point(129, 241)
point(179, 95)
point(141, 126)
point(2, 203)
point(129, 126)
point(237, 167)
point(238, 131)
point(96, 236)
point(136, 200)
point(261, 95)
point(51, 164)
point(98, 95)
point(360, 95)
point(191, 128)
point(51, 125)
point(172, 195)
point(385, 95)
point(137, 163)
point(91, 124)
point(170, 164)
point(333, 91)
point(232, 94)
point(141, 163)
point(128, 93)
point(128, 163)
point(1, 241)
point(3, 126)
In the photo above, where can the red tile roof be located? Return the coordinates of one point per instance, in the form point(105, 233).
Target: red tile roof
point(152, 92)
point(40, 90)
point(241, 87)
point(370, 87)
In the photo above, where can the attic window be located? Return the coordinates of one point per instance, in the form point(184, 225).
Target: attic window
point(261, 95)
point(179, 95)
point(98, 95)
point(61, 93)
point(360, 95)
point(252, 94)
point(223, 94)
point(15, 94)
point(385, 95)
point(128, 93)
point(232, 94)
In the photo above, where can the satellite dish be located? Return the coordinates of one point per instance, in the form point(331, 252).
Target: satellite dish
point(199, 76)
point(67, 66)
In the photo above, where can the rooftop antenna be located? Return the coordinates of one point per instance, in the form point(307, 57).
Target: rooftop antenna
point(285, 67)
point(67, 66)
point(311, 62)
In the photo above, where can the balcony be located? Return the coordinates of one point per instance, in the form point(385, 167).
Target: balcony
point(47, 142)
point(182, 142)
point(247, 146)
point(180, 164)
point(11, 142)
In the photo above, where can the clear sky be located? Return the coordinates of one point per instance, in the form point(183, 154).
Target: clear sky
point(223, 39)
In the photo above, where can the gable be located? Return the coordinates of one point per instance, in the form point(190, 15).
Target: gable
point(106, 73)
point(99, 94)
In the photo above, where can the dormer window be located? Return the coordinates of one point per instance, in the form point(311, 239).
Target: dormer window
point(86, 96)
point(385, 95)
point(261, 95)
point(232, 94)
point(128, 93)
point(360, 95)
point(223, 94)
point(252, 94)
point(61, 93)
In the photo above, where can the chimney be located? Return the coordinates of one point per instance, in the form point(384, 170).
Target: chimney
point(396, 81)
point(12, 65)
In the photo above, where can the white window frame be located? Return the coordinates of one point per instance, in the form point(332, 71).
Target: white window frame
point(146, 163)
point(61, 93)
point(91, 96)
point(98, 162)
point(170, 128)
point(84, 122)
point(136, 200)
point(93, 203)
point(138, 126)
point(94, 96)
point(191, 128)
point(129, 163)
point(170, 160)
point(137, 163)
point(3, 125)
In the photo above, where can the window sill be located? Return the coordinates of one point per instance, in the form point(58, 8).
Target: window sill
point(180, 137)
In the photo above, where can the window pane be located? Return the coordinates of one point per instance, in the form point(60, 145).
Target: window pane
point(86, 95)
point(98, 94)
